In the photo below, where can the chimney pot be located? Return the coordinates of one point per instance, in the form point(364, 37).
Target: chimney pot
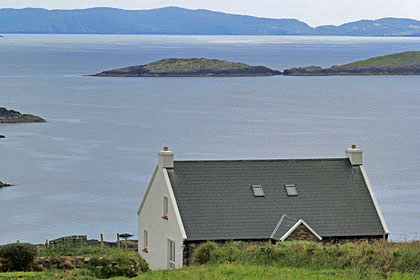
point(353, 147)
point(165, 149)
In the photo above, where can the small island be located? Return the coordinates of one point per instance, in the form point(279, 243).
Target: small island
point(11, 116)
point(190, 67)
point(3, 185)
point(405, 63)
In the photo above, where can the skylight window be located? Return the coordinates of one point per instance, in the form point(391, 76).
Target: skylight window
point(257, 190)
point(291, 190)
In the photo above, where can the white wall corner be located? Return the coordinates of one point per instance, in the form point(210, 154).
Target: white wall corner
point(375, 201)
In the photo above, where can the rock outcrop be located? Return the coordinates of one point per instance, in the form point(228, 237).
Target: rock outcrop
point(11, 116)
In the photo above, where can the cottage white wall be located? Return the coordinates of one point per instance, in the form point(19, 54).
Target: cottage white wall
point(159, 230)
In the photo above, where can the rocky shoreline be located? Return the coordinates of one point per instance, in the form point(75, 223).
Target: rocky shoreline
point(3, 185)
point(11, 116)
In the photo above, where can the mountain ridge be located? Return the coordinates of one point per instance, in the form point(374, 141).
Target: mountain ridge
point(180, 21)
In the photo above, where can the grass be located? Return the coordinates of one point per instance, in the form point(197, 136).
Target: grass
point(403, 59)
point(86, 251)
point(386, 257)
point(192, 64)
point(226, 272)
point(284, 261)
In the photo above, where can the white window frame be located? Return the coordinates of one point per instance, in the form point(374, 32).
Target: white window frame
point(171, 254)
point(165, 206)
point(145, 239)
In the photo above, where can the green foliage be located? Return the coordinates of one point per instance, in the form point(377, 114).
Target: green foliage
point(379, 256)
point(204, 252)
point(84, 251)
point(18, 256)
point(104, 268)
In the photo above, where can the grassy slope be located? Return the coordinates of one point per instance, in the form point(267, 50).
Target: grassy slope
point(394, 60)
point(193, 64)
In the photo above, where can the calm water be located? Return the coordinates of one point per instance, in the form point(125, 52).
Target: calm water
point(85, 170)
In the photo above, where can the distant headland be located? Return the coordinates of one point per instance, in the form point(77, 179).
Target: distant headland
point(180, 21)
point(11, 116)
point(190, 67)
point(405, 63)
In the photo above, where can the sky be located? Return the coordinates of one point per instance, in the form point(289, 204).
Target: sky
point(313, 12)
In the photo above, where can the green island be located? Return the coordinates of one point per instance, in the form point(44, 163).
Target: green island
point(288, 260)
point(405, 63)
point(11, 116)
point(190, 67)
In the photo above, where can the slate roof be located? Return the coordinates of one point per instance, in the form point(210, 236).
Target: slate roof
point(216, 202)
point(285, 223)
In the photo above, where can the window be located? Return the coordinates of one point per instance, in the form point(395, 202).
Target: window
point(171, 254)
point(291, 190)
point(257, 190)
point(165, 206)
point(145, 239)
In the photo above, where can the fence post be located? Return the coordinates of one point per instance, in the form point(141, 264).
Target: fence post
point(46, 243)
point(126, 245)
point(118, 243)
point(102, 241)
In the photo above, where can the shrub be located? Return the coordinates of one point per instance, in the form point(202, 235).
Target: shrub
point(18, 257)
point(143, 265)
point(204, 252)
point(126, 266)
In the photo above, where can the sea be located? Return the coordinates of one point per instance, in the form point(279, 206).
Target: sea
point(85, 170)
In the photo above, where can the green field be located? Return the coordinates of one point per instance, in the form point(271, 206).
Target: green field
point(226, 271)
point(240, 260)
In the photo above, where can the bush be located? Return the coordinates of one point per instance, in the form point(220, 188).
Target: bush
point(18, 257)
point(204, 252)
point(124, 265)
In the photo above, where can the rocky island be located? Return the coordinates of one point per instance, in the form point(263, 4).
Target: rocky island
point(191, 67)
point(405, 63)
point(10, 116)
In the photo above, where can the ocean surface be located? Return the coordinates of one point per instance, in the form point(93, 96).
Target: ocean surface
point(85, 170)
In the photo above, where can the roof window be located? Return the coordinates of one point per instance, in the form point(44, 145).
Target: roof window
point(291, 190)
point(258, 190)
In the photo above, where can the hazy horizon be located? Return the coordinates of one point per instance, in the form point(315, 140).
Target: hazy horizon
point(321, 12)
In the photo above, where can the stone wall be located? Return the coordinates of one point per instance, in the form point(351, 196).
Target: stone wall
point(302, 233)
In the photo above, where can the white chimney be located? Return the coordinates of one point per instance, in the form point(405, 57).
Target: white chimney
point(355, 155)
point(166, 158)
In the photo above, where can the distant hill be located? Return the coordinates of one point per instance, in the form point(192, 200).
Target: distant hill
point(405, 63)
point(173, 20)
point(191, 67)
point(380, 27)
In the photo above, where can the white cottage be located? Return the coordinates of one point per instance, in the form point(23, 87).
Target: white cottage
point(189, 202)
